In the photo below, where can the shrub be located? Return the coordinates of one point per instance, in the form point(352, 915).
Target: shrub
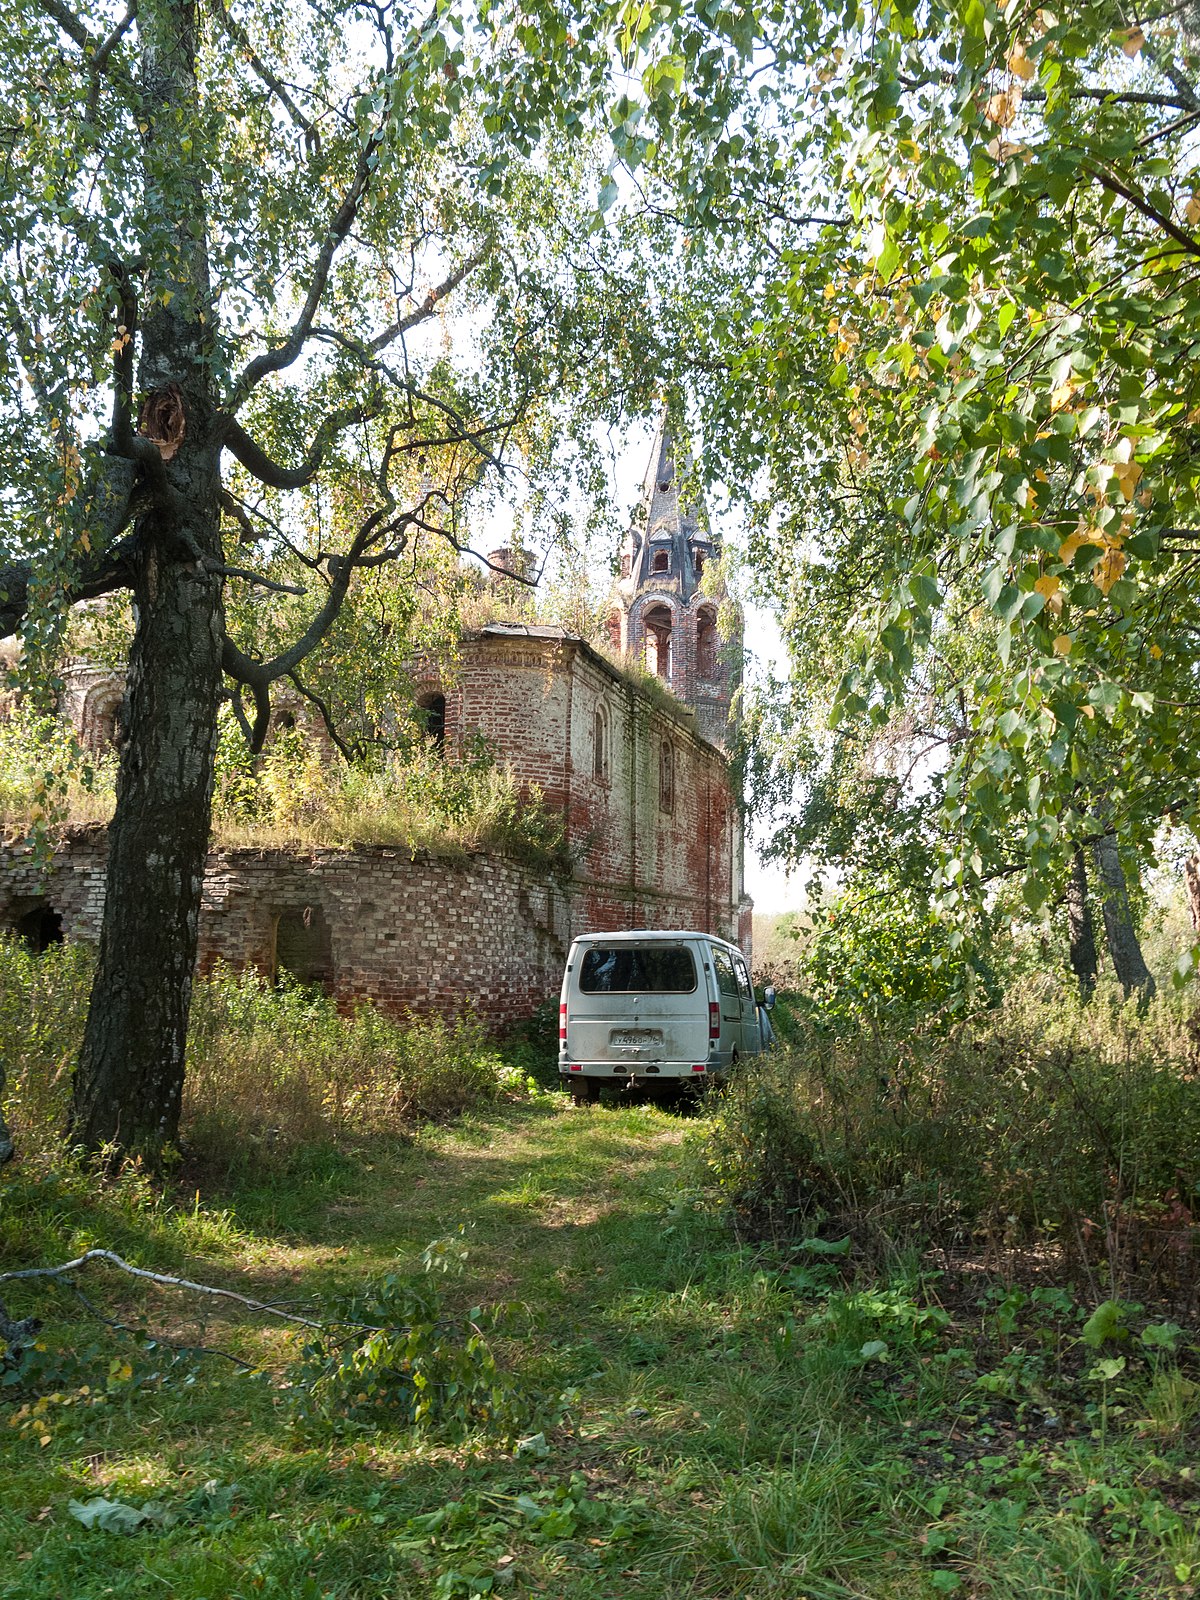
point(1046, 1123)
point(270, 1069)
point(879, 956)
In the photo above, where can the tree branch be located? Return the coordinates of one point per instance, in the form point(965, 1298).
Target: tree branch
point(426, 308)
point(260, 465)
point(68, 22)
point(238, 36)
point(326, 715)
point(104, 510)
point(256, 578)
point(284, 354)
point(1171, 229)
point(26, 1273)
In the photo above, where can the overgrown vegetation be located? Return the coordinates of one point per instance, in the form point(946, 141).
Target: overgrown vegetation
point(273, 1072)
point(1046, 1126)
point(298, 793)
point(704, 1417)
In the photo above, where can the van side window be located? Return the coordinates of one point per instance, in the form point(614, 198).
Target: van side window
point(726, 977)
point(743, 978)
point(648, 969)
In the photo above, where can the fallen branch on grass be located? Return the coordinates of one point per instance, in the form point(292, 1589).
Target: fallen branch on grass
point(156, 1277)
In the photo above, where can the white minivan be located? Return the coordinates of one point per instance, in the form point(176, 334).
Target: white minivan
point(652, 1008)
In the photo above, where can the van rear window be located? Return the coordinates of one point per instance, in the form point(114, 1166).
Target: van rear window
point(646, 969)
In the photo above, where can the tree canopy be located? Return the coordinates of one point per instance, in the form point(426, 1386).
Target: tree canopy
point(944, 309)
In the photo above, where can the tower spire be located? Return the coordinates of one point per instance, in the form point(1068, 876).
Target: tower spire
point(665, 608)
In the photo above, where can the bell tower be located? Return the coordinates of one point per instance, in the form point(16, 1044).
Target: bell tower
point(667, 605)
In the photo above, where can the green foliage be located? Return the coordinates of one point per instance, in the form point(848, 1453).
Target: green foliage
point(1045, 1122)
point(396, 1355)
point(272, 1069)
point(45, 775)
point(880, 957)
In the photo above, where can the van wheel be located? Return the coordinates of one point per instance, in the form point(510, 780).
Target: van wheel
point(585, 1091)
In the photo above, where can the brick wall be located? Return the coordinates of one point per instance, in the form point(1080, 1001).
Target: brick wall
point(423, 932)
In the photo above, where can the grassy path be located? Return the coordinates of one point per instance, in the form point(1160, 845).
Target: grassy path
point(726, 1430)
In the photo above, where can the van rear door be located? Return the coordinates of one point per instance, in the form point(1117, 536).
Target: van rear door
point(637, 1005)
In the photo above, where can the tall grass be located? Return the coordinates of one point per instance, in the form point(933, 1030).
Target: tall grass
point(271, 1071)
point(1046, 1124)
point(297, 794)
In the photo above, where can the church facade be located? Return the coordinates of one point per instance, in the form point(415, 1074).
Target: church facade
point(642, 781)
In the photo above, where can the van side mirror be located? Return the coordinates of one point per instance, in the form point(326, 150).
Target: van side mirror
point(768, 997)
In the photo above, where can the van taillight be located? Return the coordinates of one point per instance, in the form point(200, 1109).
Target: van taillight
point(714, 1019)
point(562, 1022)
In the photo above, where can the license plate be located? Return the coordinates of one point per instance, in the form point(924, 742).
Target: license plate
point(632, 1041)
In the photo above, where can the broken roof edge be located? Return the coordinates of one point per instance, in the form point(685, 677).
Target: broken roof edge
point(662, 697)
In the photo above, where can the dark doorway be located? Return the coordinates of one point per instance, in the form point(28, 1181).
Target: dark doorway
point(431, 712)
point(39, 928)
point(303, 945)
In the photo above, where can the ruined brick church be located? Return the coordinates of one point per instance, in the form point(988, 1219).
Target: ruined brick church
point(642, 780)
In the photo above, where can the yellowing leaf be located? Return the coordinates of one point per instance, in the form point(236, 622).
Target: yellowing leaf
point(1132, 41)
point(1019, 64)
point(1002, 107)
point(1127, 474)
point(1062, 645)
point(1109, 569)
point(1088, 711)
point(1060, 396)
point(1156, 652)
point(1048, 585)
point(1192, 210)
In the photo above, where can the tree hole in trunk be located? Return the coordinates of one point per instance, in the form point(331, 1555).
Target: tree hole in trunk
point(304, 945)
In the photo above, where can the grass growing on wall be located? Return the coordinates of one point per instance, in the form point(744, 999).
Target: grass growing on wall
point(296, 795)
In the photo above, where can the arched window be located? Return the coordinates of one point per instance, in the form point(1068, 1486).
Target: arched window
point(666, 776)
point(431, 715)
point(657, 623)
point(698, 562)
point(101, 729)
point(706, 644)
point(612, 629)
point(661, 562)
point(600, 747)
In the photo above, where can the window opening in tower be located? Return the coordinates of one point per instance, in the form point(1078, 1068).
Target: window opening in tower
point(706, 644)
point(658, 640)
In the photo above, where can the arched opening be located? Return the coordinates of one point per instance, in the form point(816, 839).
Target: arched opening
point(285, 721)
point(698, 562)
point(612, 629)
point(706, 644)
point(431, 714)
point(625, 566)
point(600, 748)
point(303, 945)
point(666, 776)
point(39, 927)
point(657, 623)
point(102, 721)
point(661, 562)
